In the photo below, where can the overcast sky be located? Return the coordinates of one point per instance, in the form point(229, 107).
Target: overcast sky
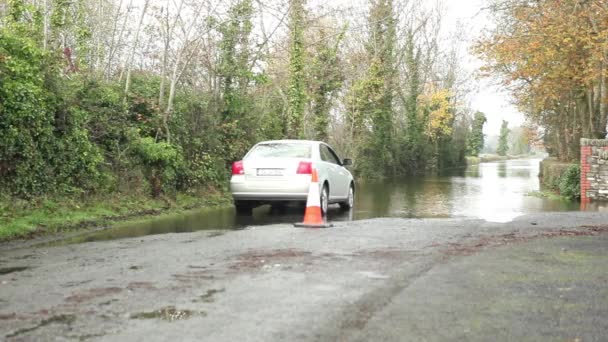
point(490, 99)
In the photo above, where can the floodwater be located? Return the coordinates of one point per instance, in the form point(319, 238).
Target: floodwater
point(497, 191)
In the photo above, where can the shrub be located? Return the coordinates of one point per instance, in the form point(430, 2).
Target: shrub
point(162, 162)
point(570, 182)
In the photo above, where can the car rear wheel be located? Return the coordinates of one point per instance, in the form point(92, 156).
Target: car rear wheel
point(324, 200)
point(350, 200)
point(243, 207)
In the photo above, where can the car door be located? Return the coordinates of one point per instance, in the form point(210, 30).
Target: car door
point(343, 176)
point(333, 167)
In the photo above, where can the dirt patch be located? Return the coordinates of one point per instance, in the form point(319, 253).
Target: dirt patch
point(472, 247)
point(257, 259)
point(87, 295)
point(6, 317)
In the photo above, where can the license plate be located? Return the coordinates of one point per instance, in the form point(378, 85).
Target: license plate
point(270, 172)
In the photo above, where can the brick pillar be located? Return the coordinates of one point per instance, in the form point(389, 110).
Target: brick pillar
point(586, 151)
point(594, 170)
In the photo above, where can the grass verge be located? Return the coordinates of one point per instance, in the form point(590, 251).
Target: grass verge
point(488, 158)
point(20, 220)
point(548, 194)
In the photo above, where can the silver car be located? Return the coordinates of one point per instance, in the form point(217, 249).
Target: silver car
point(280, 171)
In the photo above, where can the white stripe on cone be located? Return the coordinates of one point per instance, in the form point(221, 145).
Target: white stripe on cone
point(313, 195)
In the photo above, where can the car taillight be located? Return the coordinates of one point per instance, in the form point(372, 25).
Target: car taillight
point(305, 168)
point(237, 168)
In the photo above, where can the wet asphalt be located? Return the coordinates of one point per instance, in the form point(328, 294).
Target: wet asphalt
point(540, 277)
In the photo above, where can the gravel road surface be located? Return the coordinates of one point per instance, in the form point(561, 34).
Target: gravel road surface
point(539, 277)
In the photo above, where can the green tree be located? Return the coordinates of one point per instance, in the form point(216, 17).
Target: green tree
point(236, 77)
point(376, 92)
point(297, 90)
point(519, 140)
point(475, 140)
point(411, 144)
point(326, 78)
point(503, 139)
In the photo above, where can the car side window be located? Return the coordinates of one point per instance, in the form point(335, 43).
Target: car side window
point(329, 156)
point(323, 153)
point(334, 156)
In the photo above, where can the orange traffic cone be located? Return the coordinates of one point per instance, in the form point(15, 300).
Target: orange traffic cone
point(313, 217)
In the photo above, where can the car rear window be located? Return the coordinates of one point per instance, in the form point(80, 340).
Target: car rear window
point(280, 150)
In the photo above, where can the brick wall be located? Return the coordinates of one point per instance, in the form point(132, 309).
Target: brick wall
point(594, 170)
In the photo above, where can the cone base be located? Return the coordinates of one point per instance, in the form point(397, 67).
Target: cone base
point(308, 225)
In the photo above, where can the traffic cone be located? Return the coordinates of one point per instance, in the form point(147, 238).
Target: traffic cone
point(313, 217)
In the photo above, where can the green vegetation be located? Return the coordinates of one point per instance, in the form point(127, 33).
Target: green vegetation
point(375, 94)
point(552, 195)
point(570, 183)
point(476, 139)
point(24, 219)
point(561, 178)
point(297, 96)
point(503, 142)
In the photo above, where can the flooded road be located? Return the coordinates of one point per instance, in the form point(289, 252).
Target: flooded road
point(497, 192)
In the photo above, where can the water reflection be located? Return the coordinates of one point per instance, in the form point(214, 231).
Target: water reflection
point(502, 170)
point(492, 191)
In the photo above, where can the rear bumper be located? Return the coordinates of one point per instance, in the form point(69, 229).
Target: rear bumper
point(292, 189)
point(249, 196)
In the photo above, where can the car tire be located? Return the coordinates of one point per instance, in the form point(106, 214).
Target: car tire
point(243, 208)
point(324, 199)
point(350, 200)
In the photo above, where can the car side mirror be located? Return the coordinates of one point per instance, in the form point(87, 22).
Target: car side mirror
point(347, 162)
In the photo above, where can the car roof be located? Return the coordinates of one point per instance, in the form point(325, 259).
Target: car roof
point(291, 141)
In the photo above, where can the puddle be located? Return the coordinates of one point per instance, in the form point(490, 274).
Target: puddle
point(208, 297)
point(169, 313)
point(215, 234)
point(76, 283)
point(8, 270)
point(23, 257)
point(60, 319)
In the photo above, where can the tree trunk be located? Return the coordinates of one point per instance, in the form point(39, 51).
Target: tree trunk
point(111, 47)
point(603, 120)
point(177, 73)
point(168, 37)
point(132, 54)
point(46, 25)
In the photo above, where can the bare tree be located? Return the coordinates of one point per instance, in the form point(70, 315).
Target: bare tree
point(129, 62)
